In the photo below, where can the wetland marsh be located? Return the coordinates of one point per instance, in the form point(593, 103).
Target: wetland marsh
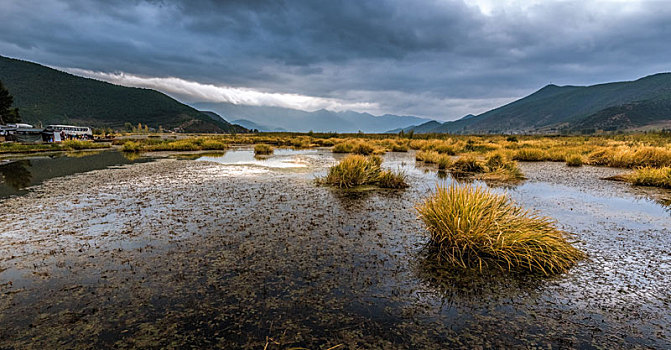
point(234, 251)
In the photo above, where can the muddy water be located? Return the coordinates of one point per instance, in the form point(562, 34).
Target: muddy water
point(233, 251)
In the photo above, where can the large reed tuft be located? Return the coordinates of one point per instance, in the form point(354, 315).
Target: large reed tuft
point(356, 170)
point(475, 228)
point(263, 149)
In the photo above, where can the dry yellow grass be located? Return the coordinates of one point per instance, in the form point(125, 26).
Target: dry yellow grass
point(475, 228)
point(499, 168)
point(649, 176)
point(262, 149)
point(625, 151)
point(357, 170)
point(575, 160)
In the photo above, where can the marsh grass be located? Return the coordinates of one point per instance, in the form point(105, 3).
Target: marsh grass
point(263, 149)
point(391, 179)
point(70, 145)
point(444, 161)
point(77, 145)
point(357, 147)
point(430, 157)
point(649, 176)
point(363, 149)
point(357, 170)
point(354, 170)
point(474, 228)
point(624, 151)
point(344, 147)
point(467, 165)
point(575, 160)
point(531, 155)
point(631, 157)
point(499, 168)
point(131, 147)
point(396, 147)
point(189, 144)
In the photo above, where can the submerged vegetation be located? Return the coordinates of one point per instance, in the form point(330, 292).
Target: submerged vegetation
point(474, 228)
point(358, 170)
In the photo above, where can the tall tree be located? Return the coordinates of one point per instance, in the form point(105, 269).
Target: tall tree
point(7, 113)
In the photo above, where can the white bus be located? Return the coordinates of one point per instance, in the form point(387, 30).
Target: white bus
point(80, 132)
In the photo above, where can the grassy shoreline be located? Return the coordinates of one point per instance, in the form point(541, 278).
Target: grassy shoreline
point(11, 148)
point(485, 157)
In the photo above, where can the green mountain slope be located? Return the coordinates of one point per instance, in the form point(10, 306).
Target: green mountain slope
point(50, 96)
point(651, 113)
point(572, 108)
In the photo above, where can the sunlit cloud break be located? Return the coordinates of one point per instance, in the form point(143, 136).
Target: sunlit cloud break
point(192, 91)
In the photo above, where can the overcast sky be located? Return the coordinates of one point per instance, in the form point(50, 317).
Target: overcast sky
point(440, 59)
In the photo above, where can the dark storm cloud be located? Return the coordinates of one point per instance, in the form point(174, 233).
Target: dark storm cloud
point(432, 58)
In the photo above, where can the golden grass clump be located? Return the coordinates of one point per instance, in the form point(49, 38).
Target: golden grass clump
point(475, 228)
point(391, 179)
point(430, 157)
point(445, 148)
point(444, 161)
point(574, 160)
point(131, 147)
point(397, 147)
point(631, 157)
point(76, 145)
point(300, 142)
point(467, 164)
point(357, 170)
point(363, 148)
point(213, 145)
point(356, 147)
point(324, 142)
point(417, 144)
point(354, 170)
point(190, 144)
point(498, 167)
point(343, 147)
point(649, 176)
point(262, 149)
point(530, 155)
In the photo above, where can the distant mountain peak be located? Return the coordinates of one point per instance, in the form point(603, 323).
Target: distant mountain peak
point(321, 120)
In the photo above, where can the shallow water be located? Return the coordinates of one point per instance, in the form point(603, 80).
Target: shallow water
point(18, 175)
point(234, 251)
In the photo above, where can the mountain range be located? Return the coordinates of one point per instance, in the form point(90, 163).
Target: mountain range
point(48, 96)
point(630, 105)
point(279, 119)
